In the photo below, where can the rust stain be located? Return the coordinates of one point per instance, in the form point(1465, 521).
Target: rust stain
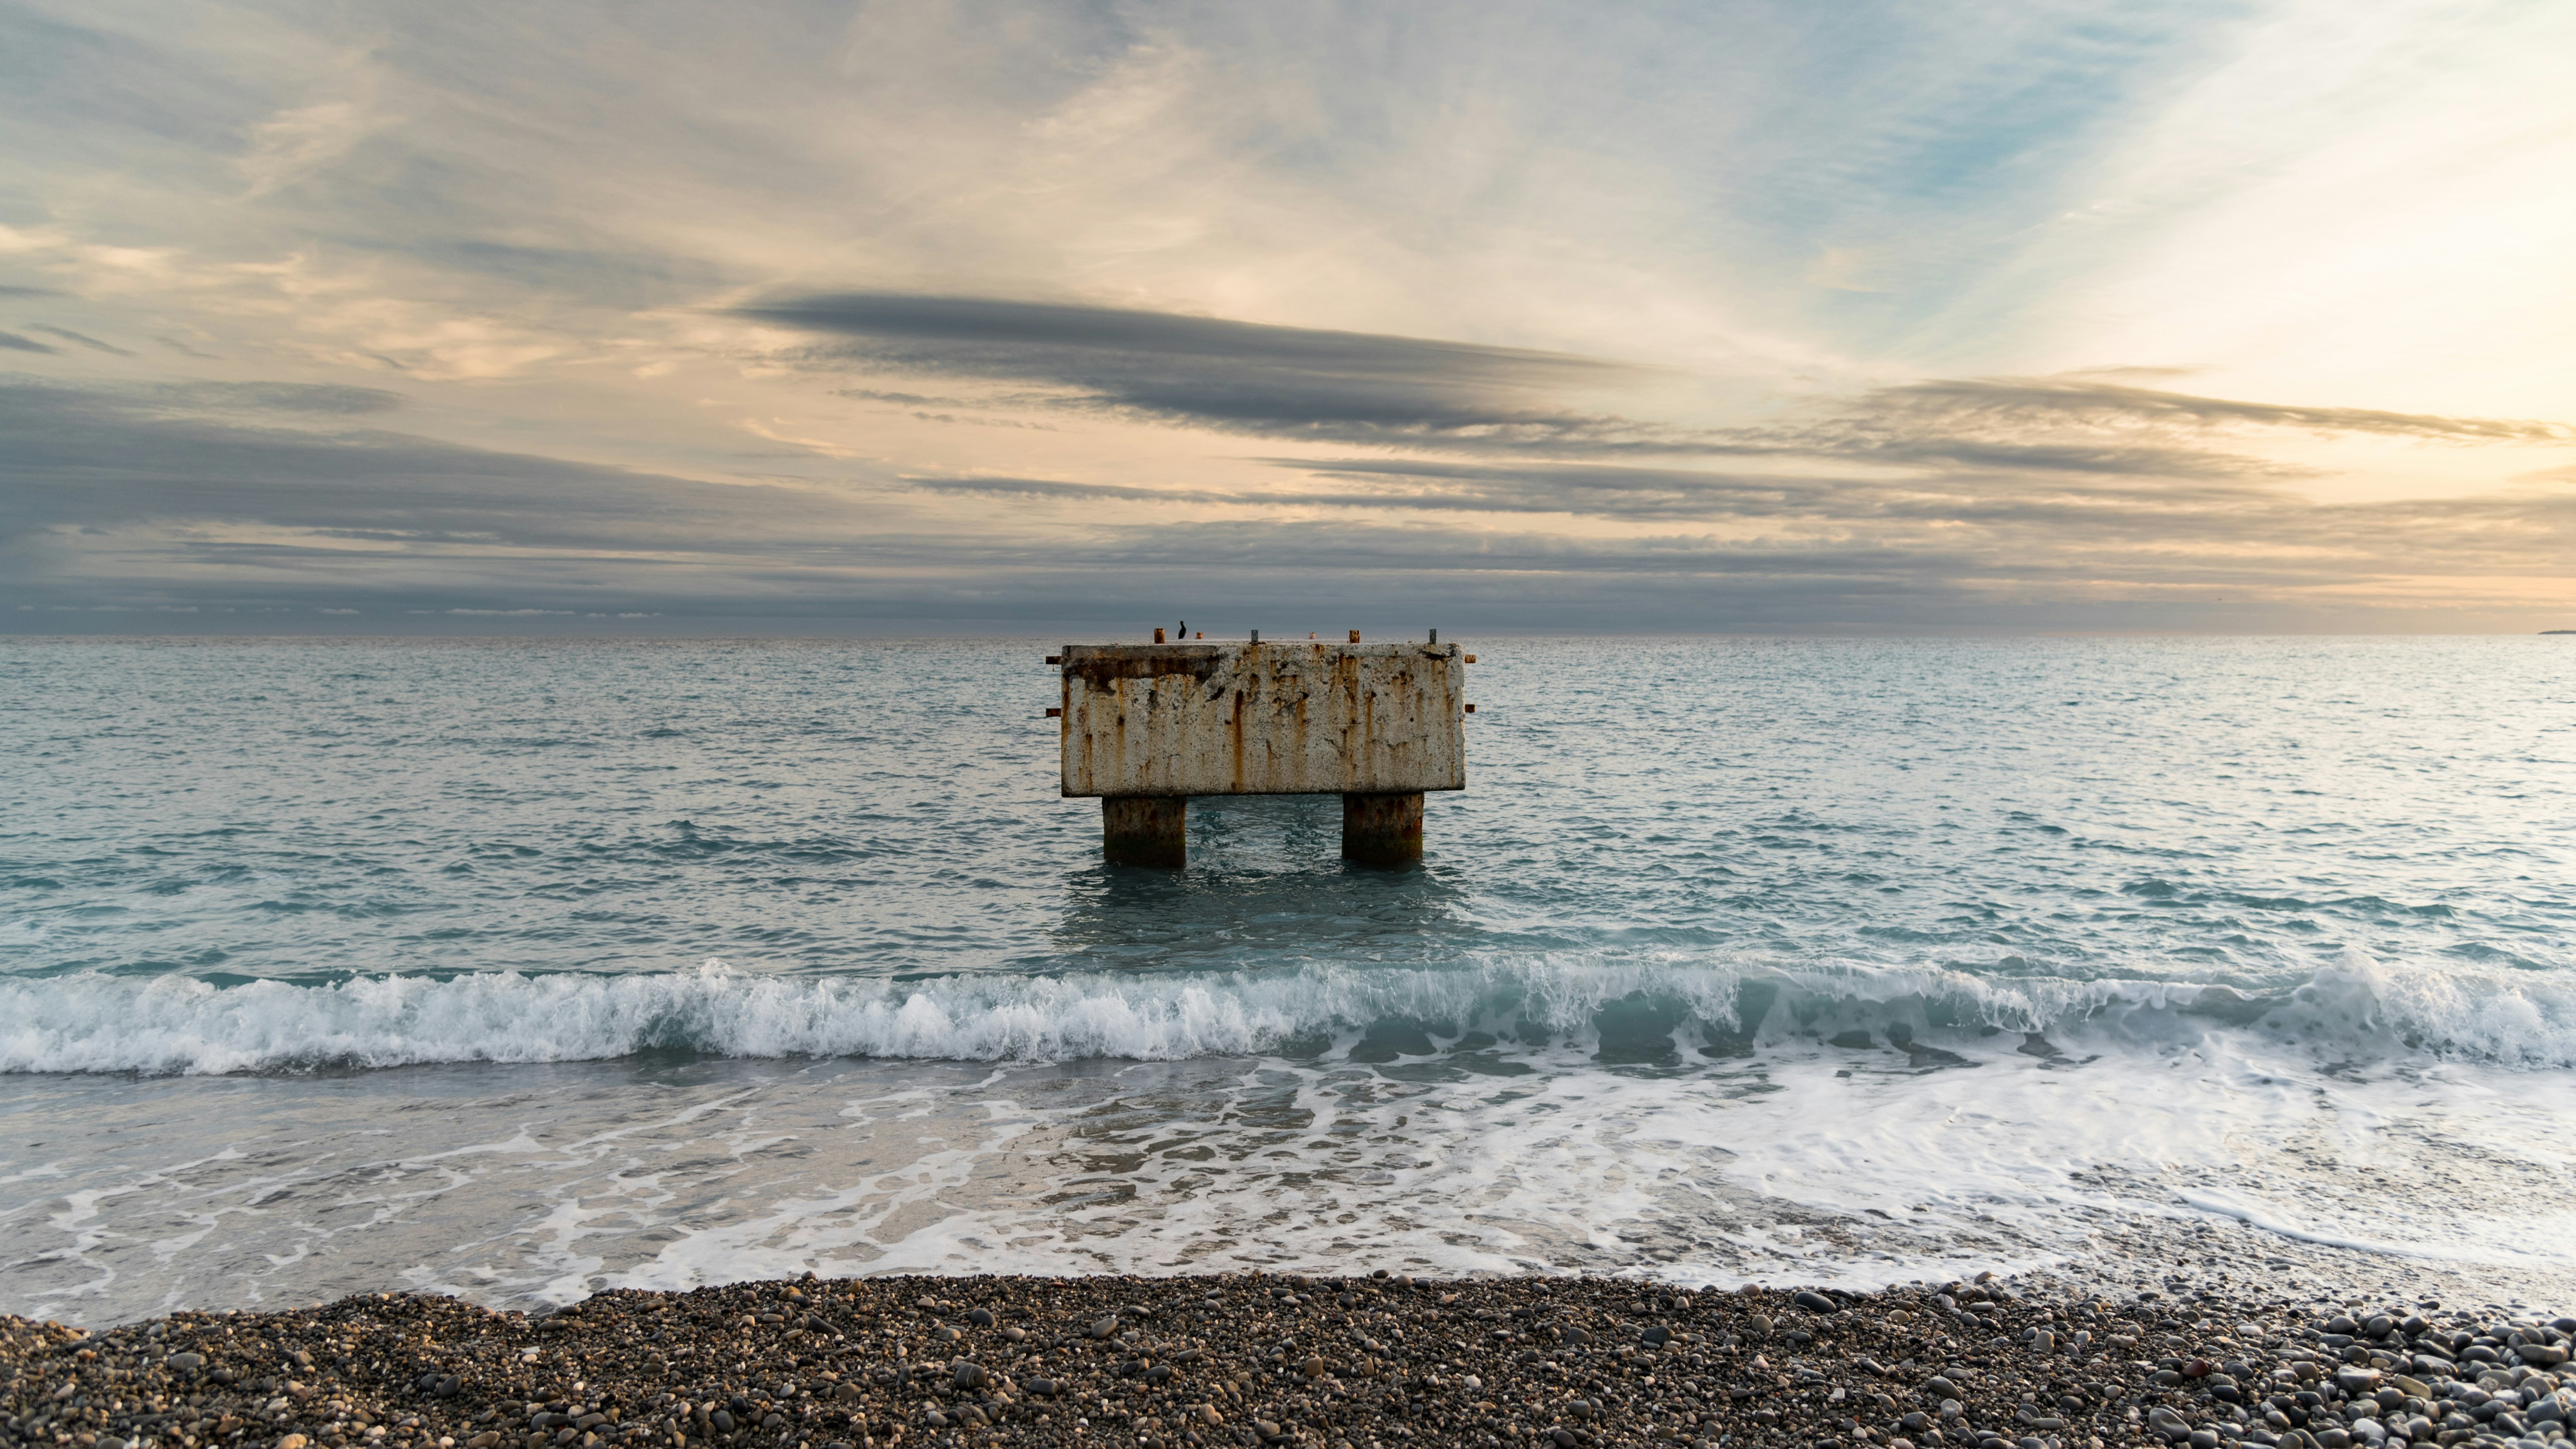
point(1260, 719)
point(1102, 670)
point(1237, 740)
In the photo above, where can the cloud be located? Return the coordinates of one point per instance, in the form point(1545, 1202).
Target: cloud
point(906, 399)
point(496, 249)
point(1052, 488)
point(1932, 538)
point(1430, 487)
point(272, 494)
point(2087, 509)
point(2013, 406)
point(91, 343)
point(2081, 424)
point(588, 276)
point(82, 459)
point(334, 399)
point(1249, 377)
point(1436, 396)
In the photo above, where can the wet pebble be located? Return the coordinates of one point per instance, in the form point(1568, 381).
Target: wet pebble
point(1519, 1362)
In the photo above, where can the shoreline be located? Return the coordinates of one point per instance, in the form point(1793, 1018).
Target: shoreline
point(1293, 1359)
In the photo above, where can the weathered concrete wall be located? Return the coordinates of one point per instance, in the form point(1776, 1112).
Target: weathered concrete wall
point(1296, 718)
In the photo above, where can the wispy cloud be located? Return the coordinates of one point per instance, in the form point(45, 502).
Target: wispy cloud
point(201, 455)
point(1446, 397)
point(2073, 313)
point(92, 343)
point(2008, 407)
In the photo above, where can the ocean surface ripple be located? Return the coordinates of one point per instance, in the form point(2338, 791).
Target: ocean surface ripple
point(1688, 877)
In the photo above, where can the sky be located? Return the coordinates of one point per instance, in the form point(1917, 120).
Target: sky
point(1735, 315)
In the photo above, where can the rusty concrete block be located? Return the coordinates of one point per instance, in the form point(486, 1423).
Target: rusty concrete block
point(1295, 718)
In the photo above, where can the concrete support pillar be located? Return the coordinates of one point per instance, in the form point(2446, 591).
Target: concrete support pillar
point(1153, 829)
point(1382, 829)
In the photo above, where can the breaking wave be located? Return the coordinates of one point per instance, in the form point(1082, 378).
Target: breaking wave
point(1672, 1010)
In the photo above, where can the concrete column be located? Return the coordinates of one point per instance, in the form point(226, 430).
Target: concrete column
point(1382, 829)
point(1154, 829)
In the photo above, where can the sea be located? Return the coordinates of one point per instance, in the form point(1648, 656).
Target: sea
point(526, 969)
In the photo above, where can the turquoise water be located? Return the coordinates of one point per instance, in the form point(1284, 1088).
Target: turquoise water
point(1685, 869)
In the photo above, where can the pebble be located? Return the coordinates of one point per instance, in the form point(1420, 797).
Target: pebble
point(1383, 1362)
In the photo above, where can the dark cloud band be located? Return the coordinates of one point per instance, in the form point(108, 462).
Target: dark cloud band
point(275, 495)
point(1433, 396)
point(1236, 376)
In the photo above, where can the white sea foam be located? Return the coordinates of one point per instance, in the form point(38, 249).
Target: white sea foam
point(102, 1023)
point(1807, 1164)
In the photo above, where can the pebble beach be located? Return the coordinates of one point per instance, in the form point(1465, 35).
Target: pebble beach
point(1361, 1362)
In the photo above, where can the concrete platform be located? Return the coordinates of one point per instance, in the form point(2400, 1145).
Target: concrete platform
point(1299, 718)
point(1377, 724)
